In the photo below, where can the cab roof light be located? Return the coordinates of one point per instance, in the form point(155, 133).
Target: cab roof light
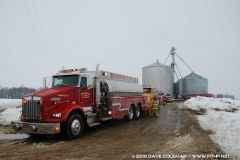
point(80, 70)
point(104, 74)
point(77, 69)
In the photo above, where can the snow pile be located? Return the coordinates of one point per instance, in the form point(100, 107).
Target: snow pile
point(9, 115)
point(9, 110)
point(226, 128)
point(222, 104)
point(8, 103)
point(220, 119)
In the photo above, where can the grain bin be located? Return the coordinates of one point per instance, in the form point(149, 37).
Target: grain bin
point(158, 75)
point(192, 84)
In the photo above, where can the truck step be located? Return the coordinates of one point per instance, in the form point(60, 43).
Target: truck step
point(90, 120)
point(91, 114)
point(93, 124)
point(105, 118)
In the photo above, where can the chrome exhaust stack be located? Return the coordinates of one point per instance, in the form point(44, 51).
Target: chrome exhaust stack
point(97, 86)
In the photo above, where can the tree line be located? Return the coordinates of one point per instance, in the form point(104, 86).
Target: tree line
point(15, 92)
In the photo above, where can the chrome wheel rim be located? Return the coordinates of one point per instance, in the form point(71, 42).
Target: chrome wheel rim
point(137, 112)
point(75, 127)
point(130, 113)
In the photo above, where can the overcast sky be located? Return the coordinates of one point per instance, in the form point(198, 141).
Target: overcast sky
point(123, 35)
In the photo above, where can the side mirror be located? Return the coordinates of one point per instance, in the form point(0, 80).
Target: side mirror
point(83, 88)
point(45, 82)
point(90, 86)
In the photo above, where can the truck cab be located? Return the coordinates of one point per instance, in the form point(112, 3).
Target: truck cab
point(149, 92)
point(168, 97)
point(161, 97)
point(63, 107)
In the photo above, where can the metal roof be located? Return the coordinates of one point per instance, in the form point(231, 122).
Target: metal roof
point(193, 76)
point(156, 64)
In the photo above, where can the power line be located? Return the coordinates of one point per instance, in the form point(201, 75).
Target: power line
point(42, 33)
point(184, 62)
point(218, 88)
point(167, 58)
point(178, 70)
point(36, 33)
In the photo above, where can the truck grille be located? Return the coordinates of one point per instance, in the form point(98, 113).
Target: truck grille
point(32, 109)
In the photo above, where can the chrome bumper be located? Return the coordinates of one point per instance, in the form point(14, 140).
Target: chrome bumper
point(35, 128)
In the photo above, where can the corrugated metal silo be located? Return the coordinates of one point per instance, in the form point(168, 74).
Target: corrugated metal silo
point(192, 84)
point(158, 75)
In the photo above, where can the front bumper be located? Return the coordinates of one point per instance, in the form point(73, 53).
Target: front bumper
point(169, 100)
point(35, 128)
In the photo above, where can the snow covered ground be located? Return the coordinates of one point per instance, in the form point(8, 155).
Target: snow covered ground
point(9, 103)
point(9, 112)
point(223, 118)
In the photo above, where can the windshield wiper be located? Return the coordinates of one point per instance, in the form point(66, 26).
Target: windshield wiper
point(60, 85)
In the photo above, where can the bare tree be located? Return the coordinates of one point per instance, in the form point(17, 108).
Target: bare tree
point(15, 93)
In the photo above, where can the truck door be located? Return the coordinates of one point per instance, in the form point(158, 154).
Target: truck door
point(85, 93)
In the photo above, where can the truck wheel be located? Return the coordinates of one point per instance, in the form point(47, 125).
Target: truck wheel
point(73, 127)
point(137, 112)
point(129, 117)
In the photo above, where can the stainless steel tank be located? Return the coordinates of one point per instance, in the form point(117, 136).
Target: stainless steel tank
point(117, 83)
point(158, 75)
point(192, 84)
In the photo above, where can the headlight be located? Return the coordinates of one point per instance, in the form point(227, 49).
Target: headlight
point(56, 115)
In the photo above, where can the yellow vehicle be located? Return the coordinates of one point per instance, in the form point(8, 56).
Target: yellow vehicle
point(149, 91)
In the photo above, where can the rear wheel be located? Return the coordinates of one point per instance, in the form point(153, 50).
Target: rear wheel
point(129, 117)
point(73, 127)
point(137, 112)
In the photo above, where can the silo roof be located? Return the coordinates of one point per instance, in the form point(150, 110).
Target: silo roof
point(193, 76)
point(156, 64)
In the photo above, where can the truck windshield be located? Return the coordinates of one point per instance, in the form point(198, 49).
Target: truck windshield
point(66, 80)
point(146, 90)
point(160, 94)
point(168, 94)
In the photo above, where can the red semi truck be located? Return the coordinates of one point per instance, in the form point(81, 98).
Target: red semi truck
point(168, 97)
point(161, 97)
point(79, 98)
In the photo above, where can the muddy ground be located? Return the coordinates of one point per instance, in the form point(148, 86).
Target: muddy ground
point(174, 132)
